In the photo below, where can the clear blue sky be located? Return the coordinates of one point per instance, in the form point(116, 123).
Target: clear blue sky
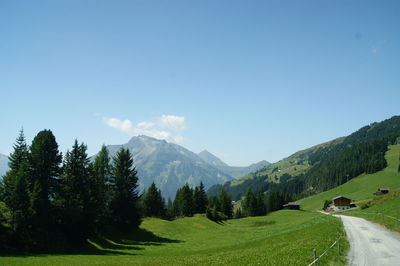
point(246, 80)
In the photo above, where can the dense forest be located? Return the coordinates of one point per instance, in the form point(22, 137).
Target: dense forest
point(49, 202)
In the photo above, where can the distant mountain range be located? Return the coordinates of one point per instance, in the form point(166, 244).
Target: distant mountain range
point(3, 164)
point(170, 166)
point(234, 171)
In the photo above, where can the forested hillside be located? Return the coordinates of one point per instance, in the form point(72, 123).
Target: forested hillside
point(324, 166)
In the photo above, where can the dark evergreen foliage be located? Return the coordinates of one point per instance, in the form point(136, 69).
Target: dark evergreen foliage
point(200, 200)
point(275, 200)
point(153, 203)
point(225, 201)
point(18, 157)
point(49, 208)
point(44, 162)
point(253, 204)
point(103, 184)
point(183, 203)
point(76, 196)
point(124, 203)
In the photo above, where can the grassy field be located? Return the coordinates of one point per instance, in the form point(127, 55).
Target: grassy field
point(362, 187)
point(384, 210)
point(281, 238)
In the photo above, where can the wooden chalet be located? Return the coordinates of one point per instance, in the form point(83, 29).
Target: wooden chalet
point(341, 203)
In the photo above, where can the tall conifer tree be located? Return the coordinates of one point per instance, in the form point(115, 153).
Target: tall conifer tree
point(153, 203)
point(124, 204)
point(200, 200)
point(103, 183)
point(15, 160)
point(76, 193)
point(44, 161)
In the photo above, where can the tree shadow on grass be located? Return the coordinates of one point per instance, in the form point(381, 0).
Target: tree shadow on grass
point(111, 243)
point(83, 249)
point(138, 237)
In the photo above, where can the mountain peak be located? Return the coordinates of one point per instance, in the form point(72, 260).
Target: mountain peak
point(145, 138)
point(210, 158)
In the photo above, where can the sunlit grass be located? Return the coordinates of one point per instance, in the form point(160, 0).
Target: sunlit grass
point(281, 238)
point(362, 187)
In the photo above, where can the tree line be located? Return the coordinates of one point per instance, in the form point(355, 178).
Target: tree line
point(53, 202)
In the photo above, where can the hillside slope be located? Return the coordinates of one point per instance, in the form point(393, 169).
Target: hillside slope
point(295, 164)
point(324, 166)
point(361, 187)
point(384, 209)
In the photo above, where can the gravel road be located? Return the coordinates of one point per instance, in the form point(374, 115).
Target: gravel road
point(370, 244)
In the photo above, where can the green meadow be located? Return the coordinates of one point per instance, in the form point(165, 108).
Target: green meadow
point(363, 186)
point(384, 210)
point(280, 238)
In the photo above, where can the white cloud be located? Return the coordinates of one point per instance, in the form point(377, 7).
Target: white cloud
point(168, 127)
point(172, 122)
point(145, 124)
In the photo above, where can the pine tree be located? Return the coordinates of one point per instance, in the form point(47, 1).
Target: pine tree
point(226, 204)
point(200, 200)
point(76, 193)
point(124, 205)
point(153, 203)
point(103, 184)
point(15, 160)
point(187, 201)
point(249, 203)
point(21, 213)
point(44, 161)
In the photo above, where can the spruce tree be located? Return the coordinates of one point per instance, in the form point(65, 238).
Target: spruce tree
point(226, 204)
point(21, 202)
point(249, 203)
point(103, 184)
point(124, 204)
point(153, 203)
point(44, 163)
point(187, 201)
point(16, 191)
point(15, 160)
point(200, 200)
point(76, 195)
point(177, 204)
